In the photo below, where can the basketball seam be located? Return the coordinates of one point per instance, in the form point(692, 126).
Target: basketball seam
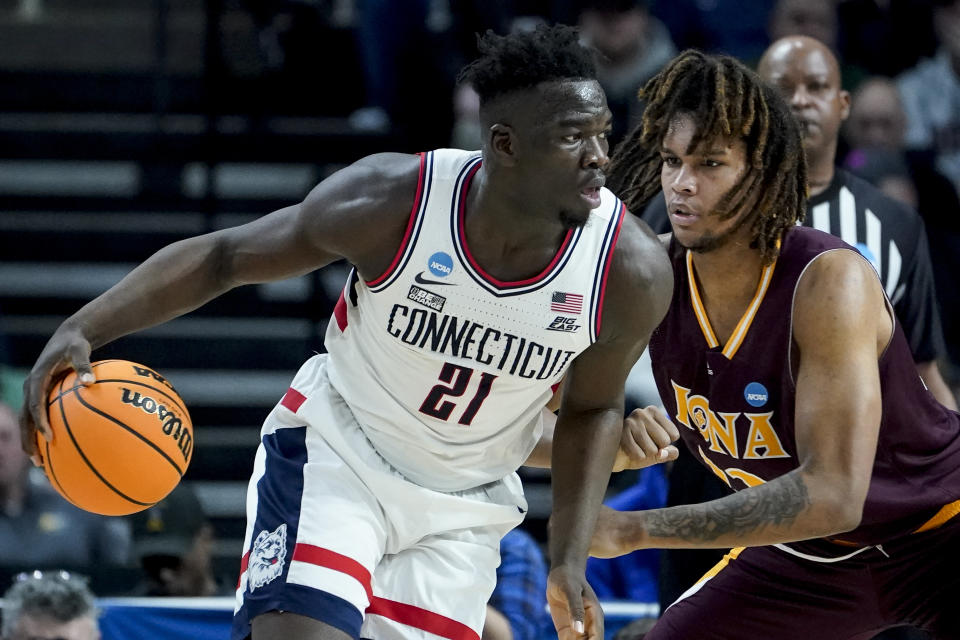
point(83, 456)
point(61, 392)
point(63, 416)
point(132, 431)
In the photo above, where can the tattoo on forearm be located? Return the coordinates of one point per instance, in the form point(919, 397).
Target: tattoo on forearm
point(775, 503)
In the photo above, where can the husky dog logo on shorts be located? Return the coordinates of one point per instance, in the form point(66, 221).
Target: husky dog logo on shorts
point(267, 556)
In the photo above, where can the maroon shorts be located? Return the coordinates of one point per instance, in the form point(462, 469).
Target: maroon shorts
point(765, 593)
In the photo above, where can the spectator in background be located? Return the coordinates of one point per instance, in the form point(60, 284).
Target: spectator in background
point(738, 29)
point(173, 541)
point(38, 528)
point(466, 119)
point(817, 19)
point(931, 95)
point(885, 37)
point(517, 609)
point(49, 606)
point(406, 43)
point(633, 47)
point(887, 171)
point(877, 124)
point(878, 121)
point(814, 18)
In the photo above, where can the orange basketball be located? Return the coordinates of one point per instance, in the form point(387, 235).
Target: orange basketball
point(119, 445)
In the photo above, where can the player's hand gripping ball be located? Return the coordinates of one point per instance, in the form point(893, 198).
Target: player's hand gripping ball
point(119, 445)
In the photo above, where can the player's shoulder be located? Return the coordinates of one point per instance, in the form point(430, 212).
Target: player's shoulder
point(360, 212)
point(832, 276)
point(641, 276)
point(639, 247)
point(389, 168)
point(375, 185)
point(838, 304)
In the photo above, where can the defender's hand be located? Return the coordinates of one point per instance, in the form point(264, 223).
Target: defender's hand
point(66, 350)
point(646, 439)
point(574, 606)
point(615, 534)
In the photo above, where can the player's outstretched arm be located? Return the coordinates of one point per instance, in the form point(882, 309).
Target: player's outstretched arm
point(358, 213)
point(589, 427)
point(840, 326)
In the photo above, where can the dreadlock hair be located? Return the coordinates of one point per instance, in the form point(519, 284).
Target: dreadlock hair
point(525, 59)
point(725, 100)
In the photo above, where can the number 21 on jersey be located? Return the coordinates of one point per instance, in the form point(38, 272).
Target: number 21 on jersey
point(457, 380)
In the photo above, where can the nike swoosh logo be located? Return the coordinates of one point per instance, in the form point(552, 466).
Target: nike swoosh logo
point(421, 280)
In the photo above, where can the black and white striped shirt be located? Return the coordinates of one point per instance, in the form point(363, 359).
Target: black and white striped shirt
point(891, 236)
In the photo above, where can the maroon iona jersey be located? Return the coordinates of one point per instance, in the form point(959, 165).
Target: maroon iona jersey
point(734, 404)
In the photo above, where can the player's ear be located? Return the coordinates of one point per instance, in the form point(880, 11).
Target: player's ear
point(502, 143)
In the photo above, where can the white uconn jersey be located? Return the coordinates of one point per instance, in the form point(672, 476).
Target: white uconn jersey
point(446, 368)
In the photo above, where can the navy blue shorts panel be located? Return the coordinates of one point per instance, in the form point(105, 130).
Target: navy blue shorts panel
point(304, 601)
point(278, 511)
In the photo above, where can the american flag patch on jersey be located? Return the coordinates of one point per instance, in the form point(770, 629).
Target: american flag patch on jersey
point(566, 302)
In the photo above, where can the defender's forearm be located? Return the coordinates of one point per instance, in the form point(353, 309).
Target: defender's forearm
point(784, 510)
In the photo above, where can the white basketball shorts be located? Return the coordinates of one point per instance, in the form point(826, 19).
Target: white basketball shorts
point(336, 534)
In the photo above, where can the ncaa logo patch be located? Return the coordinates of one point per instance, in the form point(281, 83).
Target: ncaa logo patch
point(440, 264)
point(267, 557)
point(756, 394)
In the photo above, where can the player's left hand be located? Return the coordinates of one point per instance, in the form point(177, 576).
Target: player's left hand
point(646, 439)
point(574, 606)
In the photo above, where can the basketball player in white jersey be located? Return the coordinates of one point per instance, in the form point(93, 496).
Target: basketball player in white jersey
point(385, 476)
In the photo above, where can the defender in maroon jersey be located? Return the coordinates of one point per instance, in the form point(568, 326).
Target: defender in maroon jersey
point(782, 365)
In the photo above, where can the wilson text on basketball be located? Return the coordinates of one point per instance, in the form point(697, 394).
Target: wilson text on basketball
point(170, 423)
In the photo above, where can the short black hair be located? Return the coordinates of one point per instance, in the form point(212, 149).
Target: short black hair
point(525, 59)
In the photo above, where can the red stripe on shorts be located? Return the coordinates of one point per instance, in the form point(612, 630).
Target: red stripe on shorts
point(421, 619)
point(292, 399)
point(243, 567)
point(332, 560)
